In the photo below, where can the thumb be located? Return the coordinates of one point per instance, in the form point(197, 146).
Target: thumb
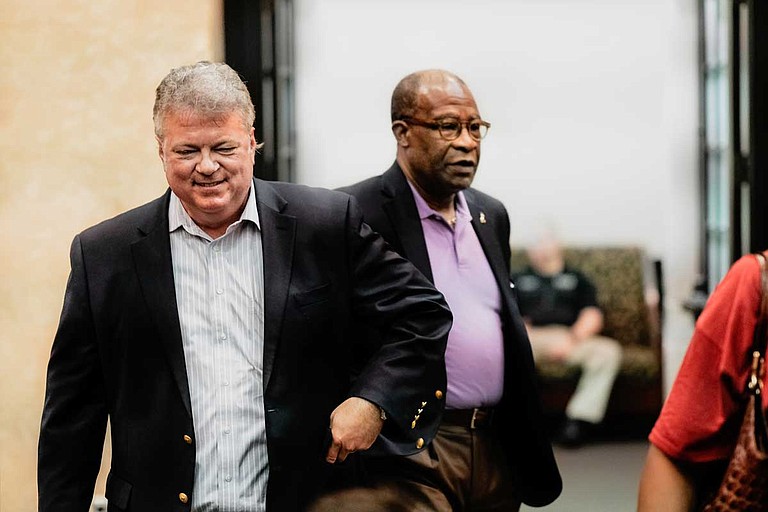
point(333, 450)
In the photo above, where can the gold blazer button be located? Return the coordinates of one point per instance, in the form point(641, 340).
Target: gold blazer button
point(183, 497)
point(187, 439)
point(420, 443)
point(439, 394)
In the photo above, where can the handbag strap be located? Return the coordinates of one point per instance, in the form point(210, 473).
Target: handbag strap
point(760, 338)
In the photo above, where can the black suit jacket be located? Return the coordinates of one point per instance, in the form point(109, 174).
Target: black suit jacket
point(389, 208)
point(118, 353)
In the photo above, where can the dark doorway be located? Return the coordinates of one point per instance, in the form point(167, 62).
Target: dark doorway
point(258, 38)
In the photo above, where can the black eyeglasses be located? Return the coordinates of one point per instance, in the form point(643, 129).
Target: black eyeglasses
point(450, 128)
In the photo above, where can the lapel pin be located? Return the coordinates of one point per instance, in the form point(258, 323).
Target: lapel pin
point(482, 217)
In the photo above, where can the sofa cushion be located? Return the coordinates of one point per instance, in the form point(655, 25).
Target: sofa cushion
point(637, 362)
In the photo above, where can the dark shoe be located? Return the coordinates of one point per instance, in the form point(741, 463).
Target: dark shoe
point(573, 433)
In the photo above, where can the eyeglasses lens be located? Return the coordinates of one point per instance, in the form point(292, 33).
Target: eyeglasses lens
point(451, 130)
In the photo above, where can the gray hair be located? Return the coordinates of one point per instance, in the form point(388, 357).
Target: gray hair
point(406, 94)
point(208, 89)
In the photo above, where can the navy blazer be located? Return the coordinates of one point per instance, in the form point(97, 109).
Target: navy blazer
point(118, 353)
point(389, 208)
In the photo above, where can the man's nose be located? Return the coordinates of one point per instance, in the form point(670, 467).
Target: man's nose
point(465, 141)
point(207, 165)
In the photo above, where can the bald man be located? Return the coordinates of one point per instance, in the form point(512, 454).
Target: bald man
point(490, 452)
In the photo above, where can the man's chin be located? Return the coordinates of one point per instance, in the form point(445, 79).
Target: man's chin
point(460, 184)
point(208, 205)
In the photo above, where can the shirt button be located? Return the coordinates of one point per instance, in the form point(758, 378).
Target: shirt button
point(223, 336)
point(217, 248)
point(187, 439)
point(183, 497)
point(228, 478)
point(226, 383)
point(219, 291)
point(227, 431)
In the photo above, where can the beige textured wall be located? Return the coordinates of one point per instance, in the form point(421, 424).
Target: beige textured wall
point(77, 83)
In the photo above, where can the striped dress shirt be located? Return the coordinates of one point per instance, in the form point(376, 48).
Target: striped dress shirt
point(220, 298)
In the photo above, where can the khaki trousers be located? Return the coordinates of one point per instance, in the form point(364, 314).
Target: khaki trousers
point(599, 359)
point(461, 470)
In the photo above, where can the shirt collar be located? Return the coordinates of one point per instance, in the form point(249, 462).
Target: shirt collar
point(426, 211)
point(179, 218)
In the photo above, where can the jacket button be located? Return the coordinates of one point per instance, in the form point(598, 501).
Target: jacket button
point(183, 497)
point(420, 443)
point(187, 439)
point(439, 394)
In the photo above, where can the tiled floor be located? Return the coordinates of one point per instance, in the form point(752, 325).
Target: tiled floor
point(599, 478)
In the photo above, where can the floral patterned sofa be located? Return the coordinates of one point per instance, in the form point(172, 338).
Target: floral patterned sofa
point(629, 294)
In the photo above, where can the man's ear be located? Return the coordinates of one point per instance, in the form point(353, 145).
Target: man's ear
point(400, 131)
point(253, 146)
point(159, 147)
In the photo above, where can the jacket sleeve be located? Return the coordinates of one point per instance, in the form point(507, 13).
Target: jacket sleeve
point(406, 374)
point(74, 413)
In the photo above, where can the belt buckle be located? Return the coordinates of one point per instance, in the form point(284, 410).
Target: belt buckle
point(474, 416)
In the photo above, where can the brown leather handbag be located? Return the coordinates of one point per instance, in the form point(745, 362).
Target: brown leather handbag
point(744, 486)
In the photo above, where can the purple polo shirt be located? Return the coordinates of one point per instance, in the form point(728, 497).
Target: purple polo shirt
point(474, 358)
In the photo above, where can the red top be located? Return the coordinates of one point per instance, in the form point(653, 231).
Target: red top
point(702, 415)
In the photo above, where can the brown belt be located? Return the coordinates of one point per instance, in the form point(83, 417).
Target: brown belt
point(479, 417)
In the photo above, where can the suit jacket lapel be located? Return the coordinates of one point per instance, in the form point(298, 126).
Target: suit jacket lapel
point(152, 258)
point(278, 233)
point(404, 217)
point(489, 240)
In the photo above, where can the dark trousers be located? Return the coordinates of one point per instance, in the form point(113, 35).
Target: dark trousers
point(463, 469)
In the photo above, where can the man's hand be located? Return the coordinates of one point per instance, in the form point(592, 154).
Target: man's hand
point(563, 348)
point(589, 323)
point(355, 424)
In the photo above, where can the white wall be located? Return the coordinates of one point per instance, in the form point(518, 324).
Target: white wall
point(593, 105)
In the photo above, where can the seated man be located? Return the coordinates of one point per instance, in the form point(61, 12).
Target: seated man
point(560, 310)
